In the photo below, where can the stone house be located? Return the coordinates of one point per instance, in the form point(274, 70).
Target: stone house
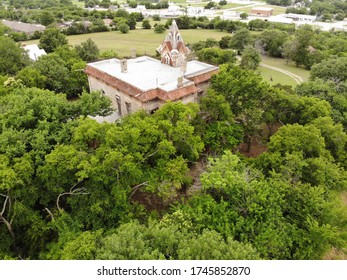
point(147, 83)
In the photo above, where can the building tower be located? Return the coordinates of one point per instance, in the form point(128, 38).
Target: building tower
point(173, 51)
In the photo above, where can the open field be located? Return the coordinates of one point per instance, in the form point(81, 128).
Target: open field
point(275, 77)
point(282, 63)
point(145, 41)
point(77, 3)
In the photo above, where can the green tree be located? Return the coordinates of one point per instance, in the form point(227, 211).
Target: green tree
point(245, 91)
point(31, 77)
point(335, 138)
point(216, 124)
point(51, 39)
point(243, 15)
point(88, 50)
point(146, 24)
point(250, 58)
point(272, 41)
point(265, 211)
point(224, 42)
point(297, 49)
point(240, 40)
point(123, 28)
point(12, 57)
point(53, 68)
point(216, 56)
point(46, 18)
point(159, 28)
point(333, 69)
point(329, 91)
point(33, 121)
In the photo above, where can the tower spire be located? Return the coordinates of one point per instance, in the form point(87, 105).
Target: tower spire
point(173, 51)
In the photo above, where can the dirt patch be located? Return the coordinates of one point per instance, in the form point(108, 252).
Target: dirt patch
point(344, 197)
point(335, 254)
point(257, 148)
point(259, 144)
point(150, 201)
point(195, 172)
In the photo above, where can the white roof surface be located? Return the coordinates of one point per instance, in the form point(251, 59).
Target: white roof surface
point(147, 73)
point(34, 51)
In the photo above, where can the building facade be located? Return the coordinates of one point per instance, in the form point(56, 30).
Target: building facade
point(147, 83)
point(261, 11)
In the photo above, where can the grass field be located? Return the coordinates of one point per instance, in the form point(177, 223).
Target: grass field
point(274, 77)
point(282, 63)
point(79, 4)
point(145, 41)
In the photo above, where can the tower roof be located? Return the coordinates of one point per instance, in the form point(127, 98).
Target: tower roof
point(173, 51)
point(174, 27)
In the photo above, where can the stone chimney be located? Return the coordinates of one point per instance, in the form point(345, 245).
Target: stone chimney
point(133, 53)
point(124, 66)
point(184, 66)
point(180, 82)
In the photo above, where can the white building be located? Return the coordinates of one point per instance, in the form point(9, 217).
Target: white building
point(34, 51)
point(300, 18)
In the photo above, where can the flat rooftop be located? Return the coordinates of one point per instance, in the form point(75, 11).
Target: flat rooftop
point(147, 73)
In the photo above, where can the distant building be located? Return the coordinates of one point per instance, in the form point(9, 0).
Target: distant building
point(34, 51)
point(27, 28)
point(147, 83)
point(195, 10)
point(301, 18)
point(261, 11)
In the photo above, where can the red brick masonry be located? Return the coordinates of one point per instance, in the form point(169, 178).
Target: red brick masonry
point(145, 96)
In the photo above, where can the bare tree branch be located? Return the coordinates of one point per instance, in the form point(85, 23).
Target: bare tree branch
point(4, 206)
point(73, 191)
point(3, 219)
point(137, 187)
point(50, 213)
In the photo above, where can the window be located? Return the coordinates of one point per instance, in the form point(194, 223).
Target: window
point(128, 107)
point(119, 105)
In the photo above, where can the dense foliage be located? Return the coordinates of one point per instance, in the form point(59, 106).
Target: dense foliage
point(73, 188)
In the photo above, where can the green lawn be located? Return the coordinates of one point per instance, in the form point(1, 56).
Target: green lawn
point(282, 63)
point(77, 3)
point(274, 77)
point(145, 41)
